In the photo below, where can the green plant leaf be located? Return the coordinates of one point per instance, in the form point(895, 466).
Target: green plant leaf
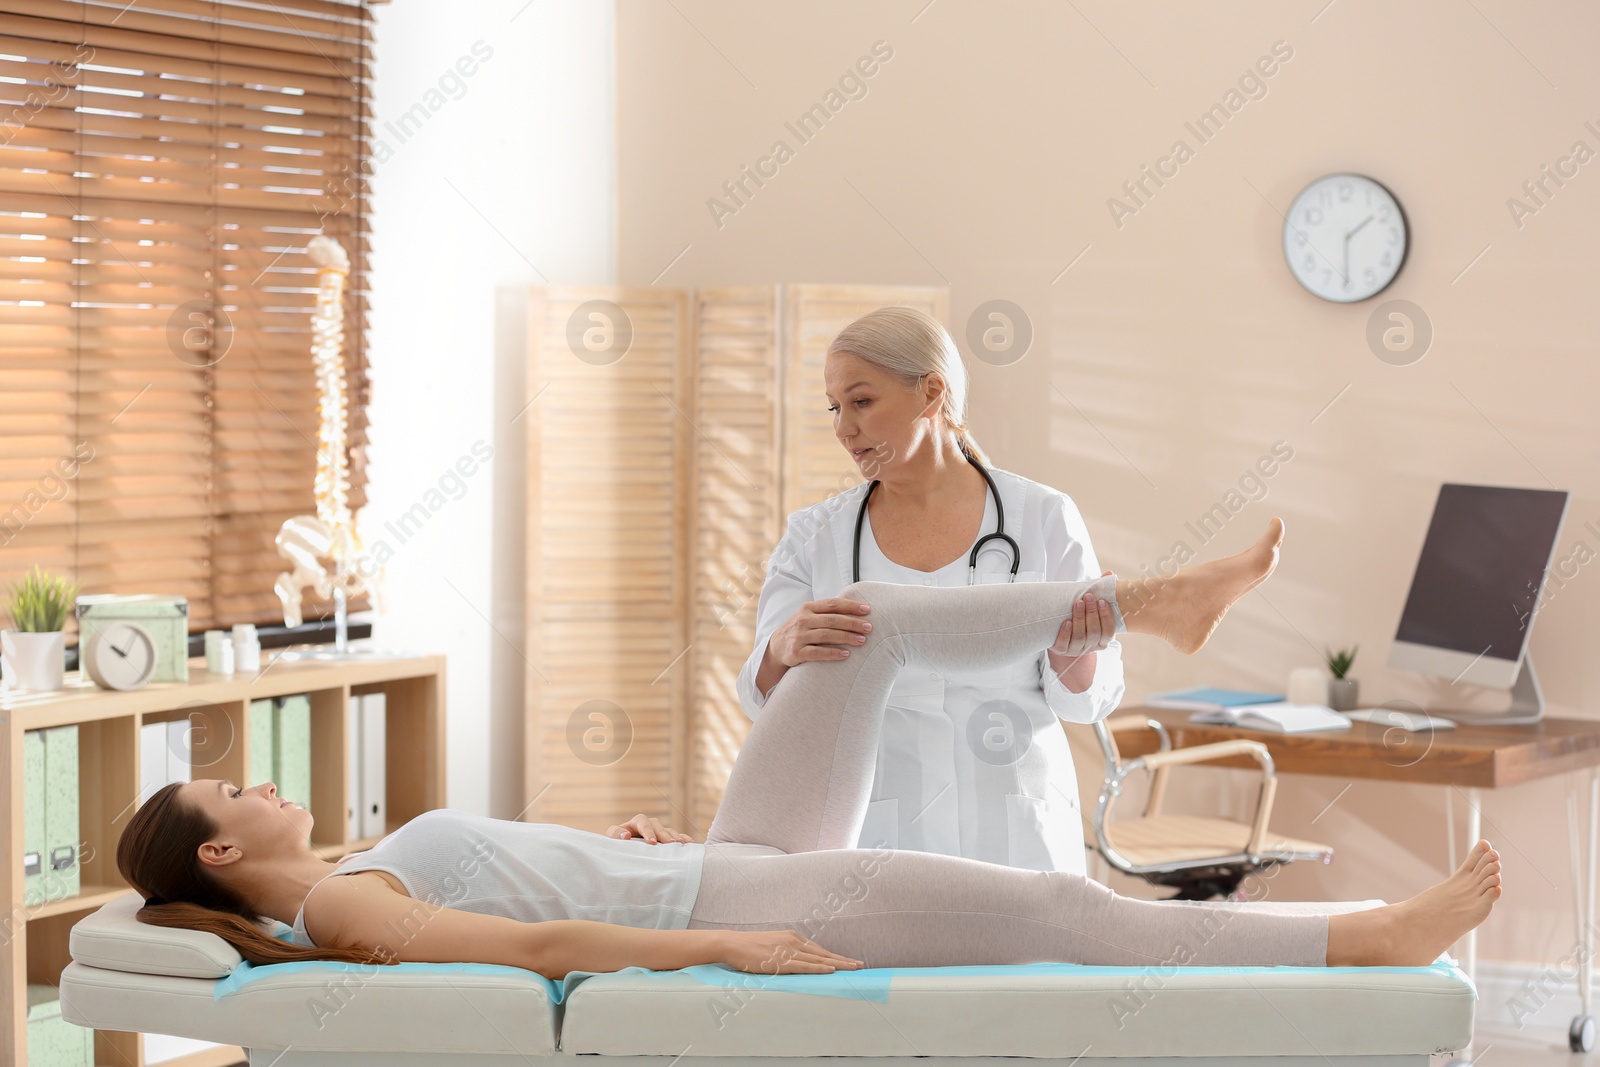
point(39, 602)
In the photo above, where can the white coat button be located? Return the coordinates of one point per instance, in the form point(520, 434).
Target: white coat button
point(927, 581)
point(934, 675)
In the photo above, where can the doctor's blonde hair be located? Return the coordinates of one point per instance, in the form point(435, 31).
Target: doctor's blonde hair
point(910, 345)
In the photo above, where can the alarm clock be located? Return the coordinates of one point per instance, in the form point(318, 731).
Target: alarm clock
point(1345, 238)
point(120, 655)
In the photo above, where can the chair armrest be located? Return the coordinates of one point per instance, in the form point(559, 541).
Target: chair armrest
point(1158, 763)
point(1205, 753)
point(1127, 723)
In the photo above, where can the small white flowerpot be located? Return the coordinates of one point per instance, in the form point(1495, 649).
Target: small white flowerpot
point(33, 661)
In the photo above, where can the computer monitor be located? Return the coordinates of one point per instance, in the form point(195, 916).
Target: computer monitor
point(1476, 589)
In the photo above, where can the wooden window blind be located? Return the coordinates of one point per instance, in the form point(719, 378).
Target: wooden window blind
point(162, 167)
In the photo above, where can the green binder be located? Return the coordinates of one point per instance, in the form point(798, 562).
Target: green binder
point(261, 755)
point(33, 864)
point(61, 831)
point(293, 749)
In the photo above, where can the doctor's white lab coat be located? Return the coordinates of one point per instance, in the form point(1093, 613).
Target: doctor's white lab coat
point(969, 764)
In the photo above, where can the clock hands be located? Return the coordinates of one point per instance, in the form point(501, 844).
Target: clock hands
point(1347, 237)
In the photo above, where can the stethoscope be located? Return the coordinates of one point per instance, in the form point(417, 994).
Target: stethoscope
point(972, 560)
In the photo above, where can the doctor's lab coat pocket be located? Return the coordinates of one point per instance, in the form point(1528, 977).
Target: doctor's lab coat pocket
point(881, 828)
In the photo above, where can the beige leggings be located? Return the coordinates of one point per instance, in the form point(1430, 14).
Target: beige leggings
point(779, 855)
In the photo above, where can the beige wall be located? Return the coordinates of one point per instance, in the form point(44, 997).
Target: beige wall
point(1177, 349)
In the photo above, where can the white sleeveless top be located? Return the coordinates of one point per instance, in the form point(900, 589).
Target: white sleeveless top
point(532, 871)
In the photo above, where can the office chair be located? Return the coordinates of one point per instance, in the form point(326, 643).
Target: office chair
point(1200, 856)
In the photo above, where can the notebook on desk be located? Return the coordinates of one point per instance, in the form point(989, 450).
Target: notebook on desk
point(1208, 698)
point(1280, 717)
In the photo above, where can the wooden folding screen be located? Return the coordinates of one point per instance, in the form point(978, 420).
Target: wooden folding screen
point(659, 621)
point(607, 554)
point(738, 526)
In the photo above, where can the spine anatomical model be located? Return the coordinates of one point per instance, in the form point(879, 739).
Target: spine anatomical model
point(330, 535)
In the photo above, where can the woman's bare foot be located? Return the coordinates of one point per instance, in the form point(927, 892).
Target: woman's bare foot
point(1183, 610)
point(1414, 932)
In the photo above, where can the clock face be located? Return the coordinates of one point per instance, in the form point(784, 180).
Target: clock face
point(1345, 237)
point(121, 656)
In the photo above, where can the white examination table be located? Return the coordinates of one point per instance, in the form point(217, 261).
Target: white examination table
point(129, 976)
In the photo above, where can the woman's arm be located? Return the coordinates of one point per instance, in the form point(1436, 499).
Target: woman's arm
point(408, 930)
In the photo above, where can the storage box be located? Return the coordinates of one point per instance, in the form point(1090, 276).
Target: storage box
point(166, 617)
point(52, 1041)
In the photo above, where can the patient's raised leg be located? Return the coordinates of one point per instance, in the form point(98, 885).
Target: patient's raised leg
point(804, 774)
point(1183, 610)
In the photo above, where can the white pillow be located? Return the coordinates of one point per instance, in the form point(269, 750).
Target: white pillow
point(112, 938)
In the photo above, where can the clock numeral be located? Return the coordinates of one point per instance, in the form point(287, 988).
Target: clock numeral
point(1394, 236)
point(1311, 262)
point(1386, 260)
point(1371, 277)
point(1313, 216)
point(1346, 190)
point(1383, 212)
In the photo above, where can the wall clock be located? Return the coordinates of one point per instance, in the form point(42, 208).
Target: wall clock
point(1345, 237)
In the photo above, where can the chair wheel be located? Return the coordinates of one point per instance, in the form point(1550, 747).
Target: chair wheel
point(1580, 1035)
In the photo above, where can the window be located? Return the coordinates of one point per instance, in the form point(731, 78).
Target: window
point(162, 166)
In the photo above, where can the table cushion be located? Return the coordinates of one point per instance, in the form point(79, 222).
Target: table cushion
point(315, 1007)
point(1039, 1010)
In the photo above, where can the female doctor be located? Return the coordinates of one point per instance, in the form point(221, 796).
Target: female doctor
point(969, 764)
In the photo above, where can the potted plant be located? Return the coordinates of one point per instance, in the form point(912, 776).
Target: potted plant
point(1342, 691)
point(35, 651)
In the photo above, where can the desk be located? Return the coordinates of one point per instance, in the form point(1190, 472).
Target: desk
point(1470, 758)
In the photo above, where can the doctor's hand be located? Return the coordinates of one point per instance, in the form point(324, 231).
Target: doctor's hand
point(820, 630)
point(651, 830)
point(1090, 629)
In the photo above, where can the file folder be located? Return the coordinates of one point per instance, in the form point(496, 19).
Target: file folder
point(374, 809)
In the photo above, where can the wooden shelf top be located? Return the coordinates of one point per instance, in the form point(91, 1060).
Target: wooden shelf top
point(83, 701)
point(1490, 757)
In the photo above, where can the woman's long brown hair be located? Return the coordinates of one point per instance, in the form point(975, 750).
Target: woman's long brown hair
point(157, 854)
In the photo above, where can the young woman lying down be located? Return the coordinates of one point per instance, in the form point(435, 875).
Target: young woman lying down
point(776, 865)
